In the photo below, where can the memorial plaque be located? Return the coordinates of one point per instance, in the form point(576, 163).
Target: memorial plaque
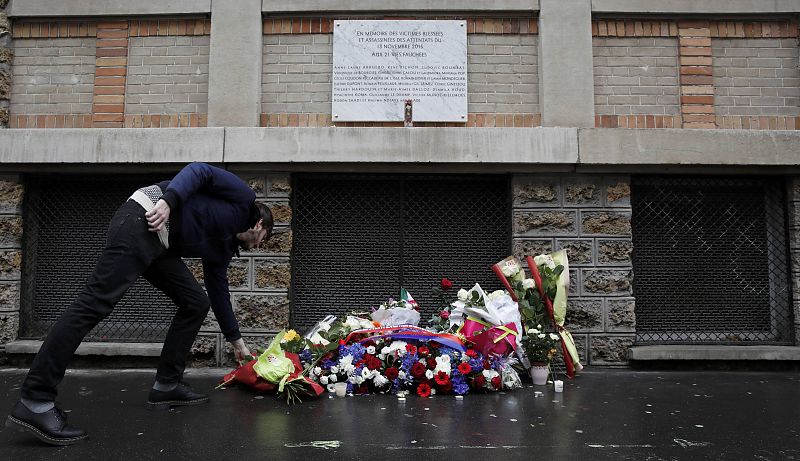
point(378, 65)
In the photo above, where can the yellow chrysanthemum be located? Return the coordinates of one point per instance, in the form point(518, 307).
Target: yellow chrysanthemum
point(290, 336)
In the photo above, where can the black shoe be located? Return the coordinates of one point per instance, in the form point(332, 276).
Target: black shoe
point(50, 426)
point(180, 396)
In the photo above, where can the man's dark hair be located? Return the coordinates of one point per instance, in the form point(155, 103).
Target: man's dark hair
point(266, 218)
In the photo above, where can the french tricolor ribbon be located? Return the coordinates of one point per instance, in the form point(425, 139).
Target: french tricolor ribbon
point(409, 332)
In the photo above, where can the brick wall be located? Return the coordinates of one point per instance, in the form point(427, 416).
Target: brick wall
point(125, 73)
point(732, 74)
point(259, 281)
point(167, 75)
point(589, 215)
point(503, 82)
point(53, 76)
point(756, 80)
point(637, 76)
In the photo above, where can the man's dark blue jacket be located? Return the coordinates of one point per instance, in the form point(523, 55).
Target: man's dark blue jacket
point(208, 207)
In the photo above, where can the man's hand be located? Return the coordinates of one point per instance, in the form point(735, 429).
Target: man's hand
point(240, 350)
point(158, 216)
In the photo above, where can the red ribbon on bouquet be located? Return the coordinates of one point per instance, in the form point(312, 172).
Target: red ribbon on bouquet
point(549, 305)
point(490, 339)
point(499, 272)
point(246, 375)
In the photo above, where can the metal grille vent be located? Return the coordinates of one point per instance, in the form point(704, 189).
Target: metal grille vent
point(66, 220)
point(710, 260)
point(358, 239)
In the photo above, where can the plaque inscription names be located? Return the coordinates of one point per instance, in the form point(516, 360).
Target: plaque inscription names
point(378, 65)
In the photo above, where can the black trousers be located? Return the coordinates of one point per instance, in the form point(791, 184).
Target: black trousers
point(131, 251)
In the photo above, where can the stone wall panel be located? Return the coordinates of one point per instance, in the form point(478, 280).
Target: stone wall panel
point(608, 282)
point(281, 213)
point(605, 223)
point(579, 252)
point(239, 274)
point(10, 263)
point(582, 191)
point(6, 55)
point(618, 191)
point(621, 315)
point(10, 231)
point(584, 315)
point(532, 247)
point(535, 191)
point(9, 326)
point(278, 186)
point(545, 223)
point(610, 350)
point(11, 194)
point(272, 274)
point(204, 351)
point(9, 296)
point(269, 312)
point(616, 252)
point(258, 184)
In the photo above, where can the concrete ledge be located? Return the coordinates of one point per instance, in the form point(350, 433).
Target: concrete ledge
point(105, 349)
point(410, 6)
point(696, 7)
point(565, 149)
point(683, 352)
point(56, 8)
point(688, 147)
point(111, 145)
point(398, 145)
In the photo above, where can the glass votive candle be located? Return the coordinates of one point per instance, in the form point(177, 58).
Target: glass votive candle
point(558, 385)
point(340, 389)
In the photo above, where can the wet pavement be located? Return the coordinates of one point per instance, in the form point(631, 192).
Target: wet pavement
point(615, 414)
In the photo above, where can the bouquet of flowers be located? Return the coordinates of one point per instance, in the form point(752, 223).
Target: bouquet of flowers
point(393, 313)
point(276, 370)
point(540, 346)
point(424, 367)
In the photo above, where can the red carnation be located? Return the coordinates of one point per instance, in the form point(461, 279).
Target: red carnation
point(424, 390)
point(411, 349)
point(423, 351)
point(464, 368)
point(447, 388)
point(434, 345)
point(442, 378)
point(446, 284)
point(479, 381)
point(431, 363)
point(418, 370)
point(444, 314)
point(471, 353)
point(368, 343)
point(392, 373)
point(496, 383)
point(372, 362)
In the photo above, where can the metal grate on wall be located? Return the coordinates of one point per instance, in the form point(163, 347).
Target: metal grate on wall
point(358, 239)
point(65, 224)
point(710, 260)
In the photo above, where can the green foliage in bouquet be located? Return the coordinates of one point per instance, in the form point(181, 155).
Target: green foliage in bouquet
point(540, 346)
point(531, 305)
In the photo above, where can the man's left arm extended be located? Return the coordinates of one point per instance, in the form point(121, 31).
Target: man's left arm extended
point(216, 281)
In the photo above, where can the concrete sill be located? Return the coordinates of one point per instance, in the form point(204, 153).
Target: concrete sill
point(706, 352)
point(110, 349)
